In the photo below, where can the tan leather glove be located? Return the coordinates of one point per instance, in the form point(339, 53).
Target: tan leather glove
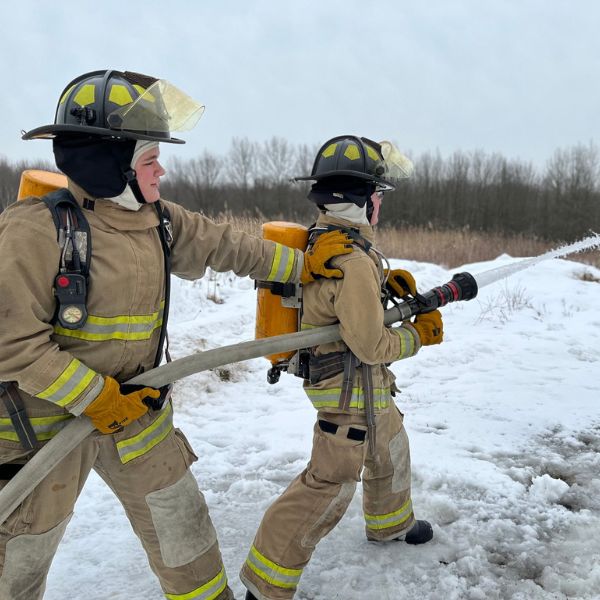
point(327, 246)
point(430, 328)
point(112, 410)
point(400, 283)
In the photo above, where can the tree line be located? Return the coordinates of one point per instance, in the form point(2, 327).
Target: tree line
point(465, 190)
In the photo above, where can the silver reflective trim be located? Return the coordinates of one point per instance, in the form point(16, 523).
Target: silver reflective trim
point(148, 438)
point(407, 342)
point(284, 267)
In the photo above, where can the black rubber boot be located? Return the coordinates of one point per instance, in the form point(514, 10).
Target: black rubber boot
point(420, 533)
point(250, 595)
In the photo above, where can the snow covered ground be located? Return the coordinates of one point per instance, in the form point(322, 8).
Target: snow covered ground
point(505, 437)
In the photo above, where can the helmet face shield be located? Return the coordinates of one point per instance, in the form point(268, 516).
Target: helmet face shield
point(121, 105)
point(397, 165)
point(160, 108)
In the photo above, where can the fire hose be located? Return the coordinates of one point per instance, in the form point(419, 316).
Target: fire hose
point(463, 286)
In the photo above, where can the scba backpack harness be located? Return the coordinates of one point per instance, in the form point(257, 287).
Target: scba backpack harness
point(71, 287)
point(275, 318)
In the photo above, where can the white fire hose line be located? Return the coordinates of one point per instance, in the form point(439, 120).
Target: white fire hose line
point(19, 487)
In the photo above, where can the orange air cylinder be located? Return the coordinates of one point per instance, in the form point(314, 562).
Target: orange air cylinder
point(39, 183)
point(272, 318)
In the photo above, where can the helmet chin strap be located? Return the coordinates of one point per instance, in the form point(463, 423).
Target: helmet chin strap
point(370, 209)
point(131, 178)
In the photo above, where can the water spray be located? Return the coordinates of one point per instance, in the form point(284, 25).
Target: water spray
point(589, 243)
point(463, 286)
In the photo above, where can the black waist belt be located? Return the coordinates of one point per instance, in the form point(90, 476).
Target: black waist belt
point(325, 366)
point(18, 416)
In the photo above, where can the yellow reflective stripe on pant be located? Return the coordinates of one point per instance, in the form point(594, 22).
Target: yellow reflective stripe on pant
point(208, 591)
point(122, 327)
point(43, 427)
point(271, 572)
point(330, 398)
point(148, 438)
point(69, 384)
point(393, 519)
point(283, 263)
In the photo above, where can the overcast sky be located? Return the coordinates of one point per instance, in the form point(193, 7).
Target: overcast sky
point(520, 77)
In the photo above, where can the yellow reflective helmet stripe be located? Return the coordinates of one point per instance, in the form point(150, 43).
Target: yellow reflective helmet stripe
point(329, 151)
point(147, 95)
point(372, 153)
point(208, 591)
point(64, 96)
point(69, 384)
point(148, 438)
point(119, 94)
point(283, 264)
point(272, 572)
point(85, 95)
point(352, 152)
point(393, 519)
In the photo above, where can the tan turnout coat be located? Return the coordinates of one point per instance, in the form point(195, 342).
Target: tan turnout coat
point(59, 372)
point(354, 302)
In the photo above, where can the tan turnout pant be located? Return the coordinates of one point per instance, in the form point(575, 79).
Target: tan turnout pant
point(316, 500)
point(161, 499)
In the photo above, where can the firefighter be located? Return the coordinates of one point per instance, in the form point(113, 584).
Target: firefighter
point(61, 360)
point(359, 430)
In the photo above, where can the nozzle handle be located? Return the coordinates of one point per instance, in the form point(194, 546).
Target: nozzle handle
point(462, 286)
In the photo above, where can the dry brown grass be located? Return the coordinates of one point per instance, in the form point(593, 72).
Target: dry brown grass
point(248, 224)
point(459, 247)
point(447, 248)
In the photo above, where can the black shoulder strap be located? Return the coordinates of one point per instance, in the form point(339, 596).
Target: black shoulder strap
point(67, 214)
point(165, 233)
point(352, 232)
point(75, 243)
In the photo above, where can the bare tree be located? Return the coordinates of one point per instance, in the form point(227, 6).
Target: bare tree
point(277, 162)
point(205, 171)
point(467, 190)
point(241, 162)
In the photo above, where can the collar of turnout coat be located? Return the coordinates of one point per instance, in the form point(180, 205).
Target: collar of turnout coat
point(365, 231)
point(114, 215)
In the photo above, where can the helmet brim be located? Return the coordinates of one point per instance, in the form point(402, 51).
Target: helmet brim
point(49, 132)
point(385, 185)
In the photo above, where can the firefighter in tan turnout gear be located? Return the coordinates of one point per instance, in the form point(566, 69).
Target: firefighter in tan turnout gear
point(84, 310)
point(359, 430)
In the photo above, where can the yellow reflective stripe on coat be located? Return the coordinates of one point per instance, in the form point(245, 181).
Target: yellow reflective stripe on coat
point(123, 327)
point(272, 572)
point(330, 398)
point(44, 428)
point(393, 519)
point(208, 591)
point(407, 342)
point(69, 384)
point(148, 438)
point(283, 263)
